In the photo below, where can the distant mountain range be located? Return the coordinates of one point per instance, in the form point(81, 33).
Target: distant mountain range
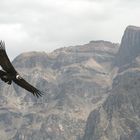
point(91, 93)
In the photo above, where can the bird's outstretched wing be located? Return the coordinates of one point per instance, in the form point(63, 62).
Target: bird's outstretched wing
point(24, 84)
point(4, 60)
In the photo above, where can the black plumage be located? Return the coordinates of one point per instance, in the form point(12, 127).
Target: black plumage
point(9, 74)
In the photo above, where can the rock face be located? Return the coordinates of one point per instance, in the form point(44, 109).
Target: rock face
point(119, 115)
point(75, 79)
point(130, 46)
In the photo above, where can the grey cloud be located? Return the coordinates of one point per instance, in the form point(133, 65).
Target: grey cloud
point(49, 24)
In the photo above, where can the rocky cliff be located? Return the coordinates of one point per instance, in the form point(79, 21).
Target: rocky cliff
point(118, 118)
point(130, 46)
point(75, 80)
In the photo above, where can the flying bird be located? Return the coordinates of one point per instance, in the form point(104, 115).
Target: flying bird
point(9, 74)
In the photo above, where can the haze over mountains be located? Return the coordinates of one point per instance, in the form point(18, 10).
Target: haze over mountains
point(92, 93)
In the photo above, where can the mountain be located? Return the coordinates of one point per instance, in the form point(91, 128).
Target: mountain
point(91, 93)
point(118, 117)
point(75, 79)
point(129, 48)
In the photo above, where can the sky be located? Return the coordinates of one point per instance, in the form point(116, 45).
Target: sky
point(45, 25)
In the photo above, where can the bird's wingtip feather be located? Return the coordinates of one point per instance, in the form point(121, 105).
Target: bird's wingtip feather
point(38, 94)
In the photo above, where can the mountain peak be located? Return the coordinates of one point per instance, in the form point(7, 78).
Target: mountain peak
point(130, 47)
point(133, 27)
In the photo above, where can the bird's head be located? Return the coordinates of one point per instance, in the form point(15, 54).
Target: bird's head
point(18, 77)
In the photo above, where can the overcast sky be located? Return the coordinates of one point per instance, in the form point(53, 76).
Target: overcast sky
point(44, 25)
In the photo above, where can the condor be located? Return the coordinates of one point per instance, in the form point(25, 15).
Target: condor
point(9, 74)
